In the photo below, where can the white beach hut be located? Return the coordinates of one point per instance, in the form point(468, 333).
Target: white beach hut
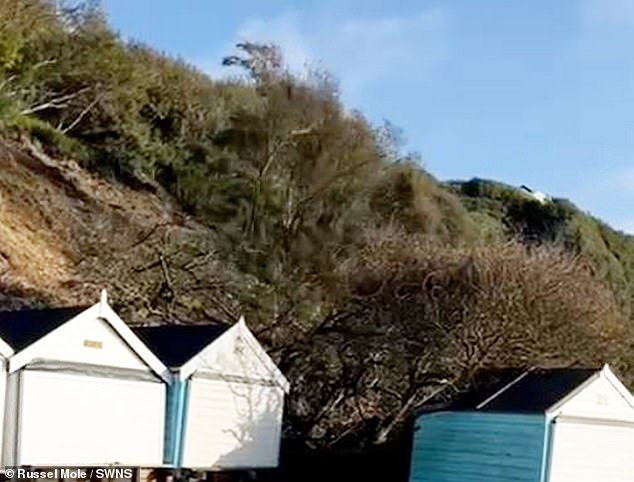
point(81, 390)
point(226, 399)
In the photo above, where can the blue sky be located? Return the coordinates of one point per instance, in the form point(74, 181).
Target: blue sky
point(536, 92)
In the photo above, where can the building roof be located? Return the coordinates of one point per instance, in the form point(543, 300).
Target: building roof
point(21, 328)
point(176, 344)
point(517, 390)
point(537, 390)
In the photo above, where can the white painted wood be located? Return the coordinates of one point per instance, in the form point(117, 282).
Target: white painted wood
point(599, 399)
point(232, 425)
point(591, 452)
point(76, 420)
point(602, 397)
point(120, 326)
point(3, 389)
point(236, 353)
point(11, 419)
point(245, 337)
point(593, 432)
point(91, 416)
point(5, 350)
point(234, 406)
point(72, 341)
point(618, 385)
point(85, 339)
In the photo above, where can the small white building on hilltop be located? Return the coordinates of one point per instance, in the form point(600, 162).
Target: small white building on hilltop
point(536, 195)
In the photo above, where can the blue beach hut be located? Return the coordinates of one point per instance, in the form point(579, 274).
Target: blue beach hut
point(541, 425)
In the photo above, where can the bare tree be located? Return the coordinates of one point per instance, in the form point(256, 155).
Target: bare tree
point(420, 320)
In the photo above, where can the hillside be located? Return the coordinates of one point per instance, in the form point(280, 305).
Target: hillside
point(369, 281)
point(66, 233)
point(507, 209)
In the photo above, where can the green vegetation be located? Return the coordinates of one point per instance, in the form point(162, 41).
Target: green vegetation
point(611, 253)
point(352, 263)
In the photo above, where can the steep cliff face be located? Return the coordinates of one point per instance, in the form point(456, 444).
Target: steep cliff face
point(64, 232)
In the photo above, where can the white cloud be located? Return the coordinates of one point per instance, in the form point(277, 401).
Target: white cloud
point(366, 51)
point(283, 30)
point(361, 52)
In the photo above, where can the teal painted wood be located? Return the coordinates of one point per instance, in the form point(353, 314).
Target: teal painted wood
point(478, 447)
point(183, 403)
point(169, 455)
point(176, 408)
point(548, 443)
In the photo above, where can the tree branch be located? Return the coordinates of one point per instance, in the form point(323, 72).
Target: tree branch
point(56, 103)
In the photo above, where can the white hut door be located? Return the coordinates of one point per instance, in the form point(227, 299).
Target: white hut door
point(584, 451)
point(232, 424)
point(67, 419)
